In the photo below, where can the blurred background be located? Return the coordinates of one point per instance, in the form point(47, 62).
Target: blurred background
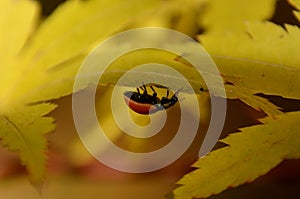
point(73, 173)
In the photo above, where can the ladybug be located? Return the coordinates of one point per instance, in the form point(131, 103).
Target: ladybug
point(144, 103)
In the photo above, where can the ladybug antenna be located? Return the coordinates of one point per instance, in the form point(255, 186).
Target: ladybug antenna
point(176, 93)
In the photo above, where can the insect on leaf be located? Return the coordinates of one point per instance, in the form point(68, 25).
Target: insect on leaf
point(259, 58)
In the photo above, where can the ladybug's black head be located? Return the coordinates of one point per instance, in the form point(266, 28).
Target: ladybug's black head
point(174, 99)
point(166, 103)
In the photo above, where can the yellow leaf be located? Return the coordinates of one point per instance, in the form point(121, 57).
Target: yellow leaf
point(58, 47)
point(177, 15)
point(136, 58)
point(17, 21)
point(296, 4)
point(22, 129)
point(251, 153)
point(124, 63)
point(256, 102)
point(230, 15)
point(263, 60)
point(41, 65)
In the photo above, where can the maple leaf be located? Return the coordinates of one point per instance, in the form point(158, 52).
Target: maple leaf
point(40, 64)
point(256, 59)
point(254, 56)
point(259, 59)
point(22, 129)
point(229, 15)
point(251, 153)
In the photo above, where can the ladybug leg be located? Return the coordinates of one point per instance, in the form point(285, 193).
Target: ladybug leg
point(152, 89)
point(141, 87)
point(165, 100)
point(145, 97)
point(138, 96)
point(154, 92)
point(145, 88)
point(155, 100)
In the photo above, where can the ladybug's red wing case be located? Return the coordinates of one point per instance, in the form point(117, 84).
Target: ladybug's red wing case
point(144, 103)
point(140, 108)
